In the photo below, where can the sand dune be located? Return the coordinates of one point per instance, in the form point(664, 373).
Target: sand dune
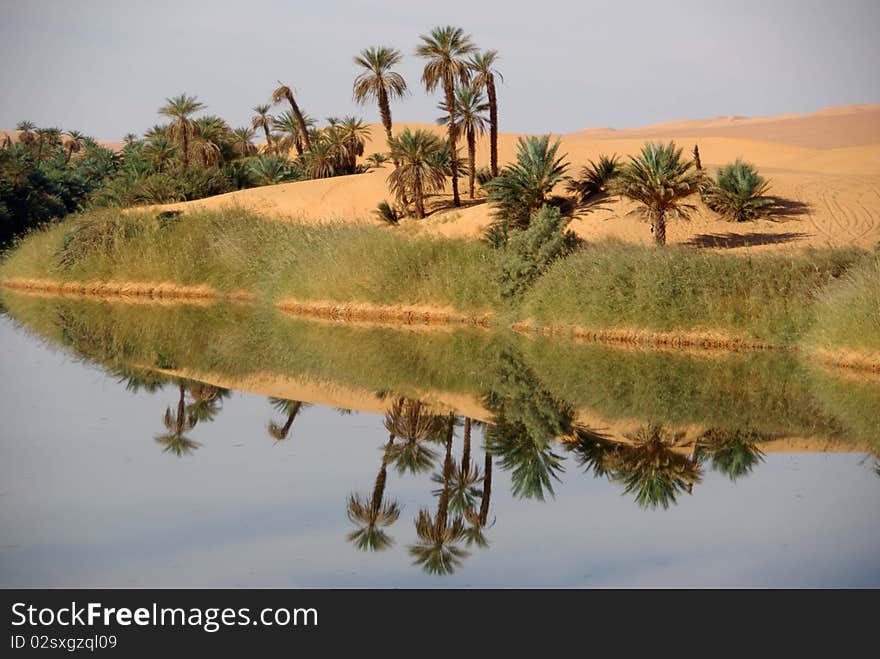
point(825, 167)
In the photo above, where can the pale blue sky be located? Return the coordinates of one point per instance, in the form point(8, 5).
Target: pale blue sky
point(105, 66)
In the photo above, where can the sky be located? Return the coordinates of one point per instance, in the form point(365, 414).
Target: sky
point(104, 67)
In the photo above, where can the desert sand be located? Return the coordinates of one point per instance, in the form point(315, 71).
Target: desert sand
point(825, 166)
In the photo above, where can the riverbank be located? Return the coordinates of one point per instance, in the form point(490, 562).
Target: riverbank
point(825, 302)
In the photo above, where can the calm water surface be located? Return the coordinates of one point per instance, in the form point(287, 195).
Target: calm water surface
point(94, 493)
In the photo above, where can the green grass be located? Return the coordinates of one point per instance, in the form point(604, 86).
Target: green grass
point(613, 285)
point(848, 311)
point(234, 250)
point(830, 298)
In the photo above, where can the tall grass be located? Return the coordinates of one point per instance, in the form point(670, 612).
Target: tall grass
point(614, 285)
point(233, 250)
point(848, 311)
point(766, 298)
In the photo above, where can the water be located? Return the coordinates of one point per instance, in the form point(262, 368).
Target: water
point(89, 497)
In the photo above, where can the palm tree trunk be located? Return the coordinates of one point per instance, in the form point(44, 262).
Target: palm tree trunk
point(185, 134)
point(443, 504)
point(181, 410)
point(472, 156)
point(466, 449)
point(379, 485)
point(453, 136)
point(299, 120)
point(268, 138)
point(69, 153)
point(417, 193)
point(385, 113)
point(290, 417)
point(660, 229)
point(493, 127)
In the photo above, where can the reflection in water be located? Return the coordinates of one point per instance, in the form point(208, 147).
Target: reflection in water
point(438, 550)
point(412, 421)
point(731, 452)
point(529, 402)
point(289, 407)
point(373, 514)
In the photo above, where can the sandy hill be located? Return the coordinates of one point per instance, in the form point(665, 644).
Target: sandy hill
point(825, 166)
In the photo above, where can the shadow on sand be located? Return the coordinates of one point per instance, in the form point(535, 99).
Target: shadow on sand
point(732, 240)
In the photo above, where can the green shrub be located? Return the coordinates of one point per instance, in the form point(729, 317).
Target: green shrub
point(738, 192)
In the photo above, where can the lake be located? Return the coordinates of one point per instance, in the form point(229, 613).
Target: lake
point(160, 445)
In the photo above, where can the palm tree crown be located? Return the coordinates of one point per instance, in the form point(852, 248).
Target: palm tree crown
point(180, 110)
point(378, 81)
point(419, 172)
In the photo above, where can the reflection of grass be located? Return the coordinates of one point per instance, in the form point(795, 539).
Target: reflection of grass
point(613, 285)
point(771, 393)
point(766, 391)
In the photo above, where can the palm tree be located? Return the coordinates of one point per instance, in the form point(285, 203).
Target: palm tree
point(436, 550)
point(479, 520)
point(262, 119)
point(180, 110)
point(160, 151)
point(418, 172)
point(130, 140)
point(74, 143)
point(698, 164)
point(353, 133)
point(271, 169)
point(242, 141)
point(470, 106)
point(47, 137)
point(446, 49)
point(377, 159)
point(26, 132)
point(375, 513)
point(483, 67)
point(283, 92)
point(658, 180)
point(174, 440)
point(738, 192)
point(207, 401)
point(289, 407)
point(595, 178)
point(210, 138)
point(411, 421)
point(378, 81)
point(525, 185)
point(322, 159)
point(288, 135)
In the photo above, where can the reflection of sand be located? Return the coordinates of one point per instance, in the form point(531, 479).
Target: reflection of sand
point(825, 165)
point(332, 394)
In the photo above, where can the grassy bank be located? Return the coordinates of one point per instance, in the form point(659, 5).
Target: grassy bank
point(827, 300)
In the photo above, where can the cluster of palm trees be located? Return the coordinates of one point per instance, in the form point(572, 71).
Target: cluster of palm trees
point(466, 78)
point(43, 141)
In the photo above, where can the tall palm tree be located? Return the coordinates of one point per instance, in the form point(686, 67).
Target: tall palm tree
point(174, 440)
point(282, 93)
point(658, 179)
point(437, 551)
point(373, 514)
point(74, 143)
point(288, 135)
point(483, 67)
point(470, 108)
point(418, 173)
point(378, 81)
point(263, 120)
point(242, 140)
point(446, 50)
point(180, 110)
point(291, 408)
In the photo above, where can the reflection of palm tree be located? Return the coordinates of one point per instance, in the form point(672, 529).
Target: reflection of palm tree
point(174, 440)
point(207, 400)
point(591, 450)
point(436, 550)
point(732, 452)
point(411, 421)
point(373, 514)
point(479, 520)
point(465, 478)
point(651, 469)
point(289, 407)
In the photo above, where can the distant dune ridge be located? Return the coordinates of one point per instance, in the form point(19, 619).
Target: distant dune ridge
point(824, 166)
